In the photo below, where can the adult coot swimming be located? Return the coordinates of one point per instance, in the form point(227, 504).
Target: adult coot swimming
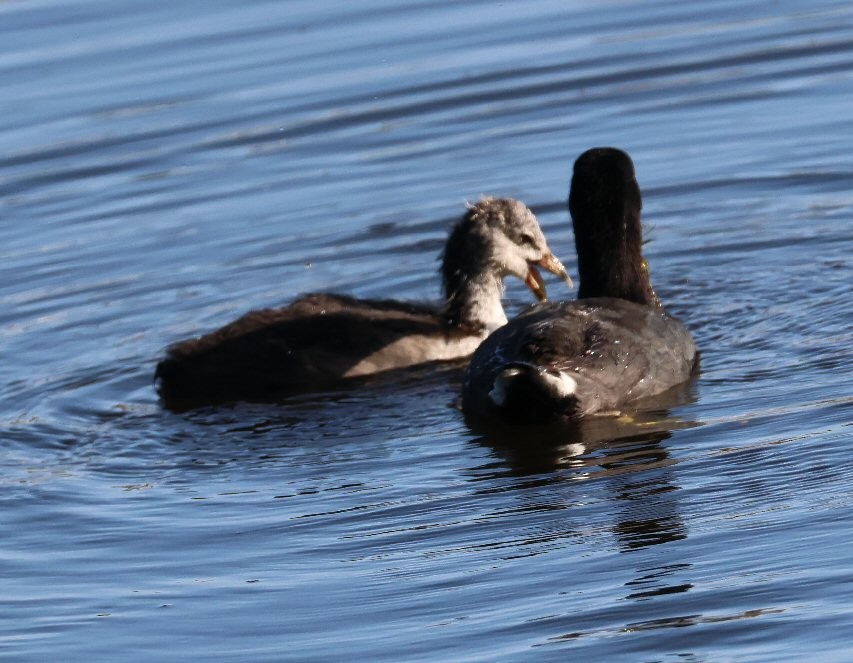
point(323, 338)
point(614, 345)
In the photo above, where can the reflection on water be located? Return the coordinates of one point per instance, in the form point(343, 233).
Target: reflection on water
point(656, 582)
point(627, 453)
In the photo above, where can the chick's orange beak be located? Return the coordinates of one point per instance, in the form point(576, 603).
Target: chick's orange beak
point(534, 278)
point(549, 261)
point(535, 283)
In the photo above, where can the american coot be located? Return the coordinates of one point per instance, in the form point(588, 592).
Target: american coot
point(322, 338)
point(614, 345)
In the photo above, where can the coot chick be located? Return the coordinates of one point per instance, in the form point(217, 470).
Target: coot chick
point(612, 346)
point(321, 339)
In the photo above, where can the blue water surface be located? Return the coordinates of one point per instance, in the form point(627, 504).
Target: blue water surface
point(167, 166)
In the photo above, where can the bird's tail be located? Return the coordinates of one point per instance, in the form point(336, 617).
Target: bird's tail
point(525, 393)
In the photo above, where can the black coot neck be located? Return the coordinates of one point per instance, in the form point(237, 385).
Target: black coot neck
point(609, 241)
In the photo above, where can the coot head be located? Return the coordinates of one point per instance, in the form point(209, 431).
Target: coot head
point(605, 205)
point(497, 237)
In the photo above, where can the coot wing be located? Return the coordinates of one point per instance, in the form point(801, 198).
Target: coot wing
point(315, 340)
point(574, 358)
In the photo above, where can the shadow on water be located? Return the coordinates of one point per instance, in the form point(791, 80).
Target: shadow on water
point(627, 451)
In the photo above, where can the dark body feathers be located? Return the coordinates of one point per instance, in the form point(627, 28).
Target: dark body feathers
point(615, 351)
point(315, 341)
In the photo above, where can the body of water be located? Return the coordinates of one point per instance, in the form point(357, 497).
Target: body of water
point(166, 166)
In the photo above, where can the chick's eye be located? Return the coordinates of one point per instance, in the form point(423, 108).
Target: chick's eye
point(528, 240)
